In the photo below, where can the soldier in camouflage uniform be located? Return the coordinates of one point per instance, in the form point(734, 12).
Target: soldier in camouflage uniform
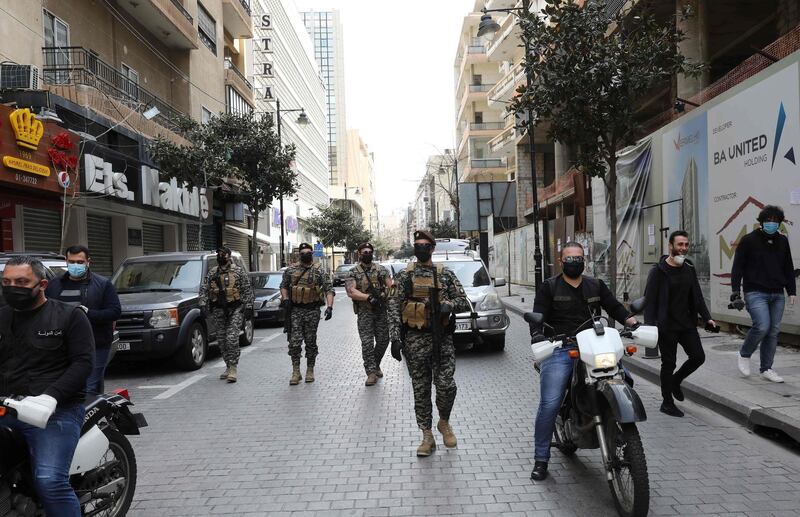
point(410, 315)
point(368, 286)
point(304, 289)
point(227, 293)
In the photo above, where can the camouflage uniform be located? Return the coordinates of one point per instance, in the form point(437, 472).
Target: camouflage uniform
point(418, 348)
point(305, 319)
point(373, 325)
point(228, 321)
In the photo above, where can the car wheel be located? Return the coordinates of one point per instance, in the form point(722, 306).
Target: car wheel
point(496, 343)
point(246, 339)
point(192, 353)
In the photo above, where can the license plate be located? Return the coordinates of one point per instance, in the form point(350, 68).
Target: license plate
point(123, 346)
point(463, 326)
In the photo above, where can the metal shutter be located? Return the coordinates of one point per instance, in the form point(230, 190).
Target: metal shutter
point(238, 242)
point(152, 238)
point(192, 237)
point(42, 229)
point(99, 242)
point(209, 237)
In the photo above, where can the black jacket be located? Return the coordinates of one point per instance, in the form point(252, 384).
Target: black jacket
point(765, 264)
point(50, 354)
point(657, 294)
point(99, 295)
point(595, 292)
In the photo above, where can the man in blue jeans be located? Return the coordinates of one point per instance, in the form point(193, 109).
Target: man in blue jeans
point(46, 357)
point(566, 301)
point(763, 264)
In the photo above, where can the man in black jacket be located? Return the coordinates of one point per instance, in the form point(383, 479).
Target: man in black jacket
point(98, 298)
point(46, 357)
point(674, 301)
point(567, 302)
point(763, 262)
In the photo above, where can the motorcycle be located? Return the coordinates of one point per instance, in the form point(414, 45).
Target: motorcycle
point(103, 470)
point(600, 408)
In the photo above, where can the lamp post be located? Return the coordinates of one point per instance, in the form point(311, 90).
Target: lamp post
point(487, 30)
point(302, 120)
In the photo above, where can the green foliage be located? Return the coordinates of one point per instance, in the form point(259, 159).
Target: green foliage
point(406, 251)
point(444, 229)
point(336, 226)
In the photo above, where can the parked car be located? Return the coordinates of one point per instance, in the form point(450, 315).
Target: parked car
point(445, 244)
point(490, 320)
point(394, 268)
point(341, 273)
point(161, 316)
point(266, 286)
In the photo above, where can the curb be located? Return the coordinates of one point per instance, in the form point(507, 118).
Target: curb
point(720, 402)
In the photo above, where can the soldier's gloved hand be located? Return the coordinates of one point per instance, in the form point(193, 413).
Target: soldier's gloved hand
point(446, 308)
point(397, 345)
point(286, 304)
point(328, 313)
point(374, 301)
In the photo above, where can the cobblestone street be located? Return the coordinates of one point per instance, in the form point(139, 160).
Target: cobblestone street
point(336, 447)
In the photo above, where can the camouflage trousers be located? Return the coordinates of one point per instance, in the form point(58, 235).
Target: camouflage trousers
point(373, 329)
point(228, 328)
point(304, 325)
point(417, 351)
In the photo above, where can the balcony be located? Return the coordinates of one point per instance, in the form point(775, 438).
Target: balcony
point(504, 144)
point(167, 20)
point(486, 126)
point(491, 163)
point(484, 170)
point(507, 43)
point(76, 66)
point(234, 77)
point(503, 91)
point(237, 18)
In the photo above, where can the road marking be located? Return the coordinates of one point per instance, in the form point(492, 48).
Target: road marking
point(249, 349)
point(157, 387)
point(178, 387)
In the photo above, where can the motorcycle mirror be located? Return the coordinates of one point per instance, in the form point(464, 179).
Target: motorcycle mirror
point(536, 318)
point(638, 305)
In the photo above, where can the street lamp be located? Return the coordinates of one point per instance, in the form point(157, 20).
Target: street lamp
point(487, 31)
point(302, 120)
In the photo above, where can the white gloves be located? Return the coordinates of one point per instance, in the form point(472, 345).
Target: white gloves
point(35, 411)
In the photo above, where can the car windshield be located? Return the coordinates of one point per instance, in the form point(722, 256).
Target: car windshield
point(178, 275)
point(345, 267)
point(271, 281)
point(470, 274)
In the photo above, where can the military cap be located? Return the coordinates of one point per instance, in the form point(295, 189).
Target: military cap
point(305, 246)
point(365, 245)
point(424, 234)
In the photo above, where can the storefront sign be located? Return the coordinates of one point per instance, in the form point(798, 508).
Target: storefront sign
point(25, 166)
point(100, 178)
point(170, 196)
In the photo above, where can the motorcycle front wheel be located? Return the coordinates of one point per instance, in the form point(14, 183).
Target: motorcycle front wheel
point(108, 490)
point(566, 447)
point(629, 484)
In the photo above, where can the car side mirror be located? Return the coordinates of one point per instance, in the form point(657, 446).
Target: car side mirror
point(499, 282)
point(638, 305)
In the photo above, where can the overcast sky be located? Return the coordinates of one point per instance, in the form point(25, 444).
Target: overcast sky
point(399, 83)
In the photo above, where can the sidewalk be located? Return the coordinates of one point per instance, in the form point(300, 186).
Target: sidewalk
point(718, 384)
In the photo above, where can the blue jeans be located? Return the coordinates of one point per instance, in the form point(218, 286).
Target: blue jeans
point(51, 450)
point(555, 375)
point(94, 386)
point(766, 310)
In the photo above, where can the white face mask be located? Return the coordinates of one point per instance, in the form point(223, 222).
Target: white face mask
point(679, 259)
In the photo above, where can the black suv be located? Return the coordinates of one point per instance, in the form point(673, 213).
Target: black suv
point(54, 264)
point(161, 314)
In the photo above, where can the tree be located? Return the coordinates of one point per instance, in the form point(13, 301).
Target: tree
point(382, 248)
point(587, 80)
point(336, 226)
point(242, 151)
point(406, 251)
point(444, 229)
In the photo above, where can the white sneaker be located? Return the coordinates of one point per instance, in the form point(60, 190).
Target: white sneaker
point(771, 375)
point(744, 366)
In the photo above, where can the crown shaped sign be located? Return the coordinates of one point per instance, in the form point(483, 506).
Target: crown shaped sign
point(27, 129)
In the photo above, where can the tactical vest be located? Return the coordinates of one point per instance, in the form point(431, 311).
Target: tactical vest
point(222, 290)
point(304, 290)
point(416, 311)
point(369, 281)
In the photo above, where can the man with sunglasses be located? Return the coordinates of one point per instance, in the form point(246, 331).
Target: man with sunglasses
point(304, 289)
point(567, 301)
point(411, 313)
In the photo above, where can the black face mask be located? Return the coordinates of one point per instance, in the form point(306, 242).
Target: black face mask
point(573, 269)
point(366, 258)
point(306, 258)
point(423, 252)
point(20, 298)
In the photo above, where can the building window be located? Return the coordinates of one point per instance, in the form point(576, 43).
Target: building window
point(205, 115)
point(131, 86)
point(207, 28)
point(56, 34)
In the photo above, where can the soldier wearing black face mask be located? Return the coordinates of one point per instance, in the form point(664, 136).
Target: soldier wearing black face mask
point(566, 301)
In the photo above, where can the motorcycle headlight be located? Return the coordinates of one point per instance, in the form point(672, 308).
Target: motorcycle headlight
point(490, 302)
point(163, 318)
point(608, 360)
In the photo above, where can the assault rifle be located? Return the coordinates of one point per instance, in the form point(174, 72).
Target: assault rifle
point(287, 316)
point(437, 332)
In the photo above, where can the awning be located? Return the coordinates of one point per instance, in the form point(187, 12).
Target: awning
point(248, 233)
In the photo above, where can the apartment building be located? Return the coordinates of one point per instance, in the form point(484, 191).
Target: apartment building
point(114, 74)
point(434, 196)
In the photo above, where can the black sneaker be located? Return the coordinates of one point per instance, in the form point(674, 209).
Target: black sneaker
point(677, 392)
point(539, 472)
point(671, 410)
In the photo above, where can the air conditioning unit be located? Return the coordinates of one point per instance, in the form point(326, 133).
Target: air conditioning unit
point(19, 76)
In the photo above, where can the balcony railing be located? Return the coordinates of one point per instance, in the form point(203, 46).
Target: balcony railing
point(480, 87)
point(230, 66)
point(484, 126)
point(246, 5)
point(78, 66)
point(476, 49)
point(487, 164)
point(179, 5)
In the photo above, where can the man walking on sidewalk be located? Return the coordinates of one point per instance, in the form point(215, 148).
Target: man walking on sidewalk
point(674, 301)
point(763, 263)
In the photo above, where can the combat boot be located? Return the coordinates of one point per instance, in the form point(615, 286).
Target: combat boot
point(224, 375)
point(310, 374)
point(379, 373)
point(448, 435)
point(428, 444)
point(296, 377)
point(232, 376)
point(371, 379)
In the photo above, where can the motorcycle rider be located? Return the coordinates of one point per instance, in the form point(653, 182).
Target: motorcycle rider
point(566, 301)
point(46, 352)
